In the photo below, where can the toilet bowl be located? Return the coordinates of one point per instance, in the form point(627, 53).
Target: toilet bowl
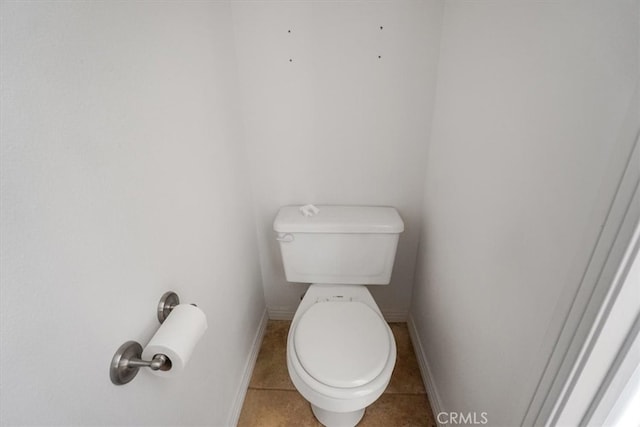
point(340, 352)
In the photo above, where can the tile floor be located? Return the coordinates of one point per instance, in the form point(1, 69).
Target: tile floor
point(272, 399)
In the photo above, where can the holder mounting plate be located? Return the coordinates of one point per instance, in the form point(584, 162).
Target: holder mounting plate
point(168, 301)
point(120, 371)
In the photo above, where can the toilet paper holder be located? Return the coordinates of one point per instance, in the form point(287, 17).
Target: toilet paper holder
point(127, 360)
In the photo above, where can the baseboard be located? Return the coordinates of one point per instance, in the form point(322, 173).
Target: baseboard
point(287, 314)
point(394, 316)
point(280, 313)
point(248, 371)
point(427, 377)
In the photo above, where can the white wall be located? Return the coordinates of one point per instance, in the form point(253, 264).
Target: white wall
point(122, 176)
point(531, 97)
point(337, 124)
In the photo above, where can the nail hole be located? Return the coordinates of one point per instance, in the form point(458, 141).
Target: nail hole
point(379, 56)
point(290, 60)
point(289, 31)
point(381, 26)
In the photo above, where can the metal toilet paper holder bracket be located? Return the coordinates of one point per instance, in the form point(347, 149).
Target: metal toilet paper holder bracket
point(127, 360)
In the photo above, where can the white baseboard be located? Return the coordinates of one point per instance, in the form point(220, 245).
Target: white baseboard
point(394, 316)
point(281, 313)
point(248, 371)
point(427, 377)
point(287, 314)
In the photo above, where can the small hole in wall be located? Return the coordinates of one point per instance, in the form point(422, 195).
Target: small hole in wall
point(289, 31)
point(379, 56)
point(290, 60)
point(381, 27)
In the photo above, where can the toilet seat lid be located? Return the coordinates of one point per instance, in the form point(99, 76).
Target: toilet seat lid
point(342, 344)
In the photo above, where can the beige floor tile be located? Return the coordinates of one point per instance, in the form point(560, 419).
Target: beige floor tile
point(284, 408)
point(270, 371)
point(399, 410)
point(272, 400)
point(406, 376)
point(276, 408)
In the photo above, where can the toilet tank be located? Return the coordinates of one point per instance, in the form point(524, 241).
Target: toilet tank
point(339, 244)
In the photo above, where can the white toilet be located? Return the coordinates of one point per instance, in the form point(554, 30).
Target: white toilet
point(340, 351)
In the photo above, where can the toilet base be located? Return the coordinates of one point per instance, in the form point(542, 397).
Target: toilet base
point(337, 419)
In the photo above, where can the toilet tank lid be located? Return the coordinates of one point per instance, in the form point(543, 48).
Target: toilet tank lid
point(339, 219)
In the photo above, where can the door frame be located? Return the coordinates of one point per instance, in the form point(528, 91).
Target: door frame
point(573, 345)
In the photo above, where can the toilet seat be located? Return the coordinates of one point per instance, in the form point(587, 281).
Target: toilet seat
point(342, 344)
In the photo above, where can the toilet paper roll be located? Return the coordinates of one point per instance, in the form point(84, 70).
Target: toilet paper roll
point(176, 338)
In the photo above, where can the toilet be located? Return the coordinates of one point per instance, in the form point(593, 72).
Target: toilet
point(340, 351)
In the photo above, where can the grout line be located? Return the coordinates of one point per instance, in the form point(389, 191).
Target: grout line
point(288, 389)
